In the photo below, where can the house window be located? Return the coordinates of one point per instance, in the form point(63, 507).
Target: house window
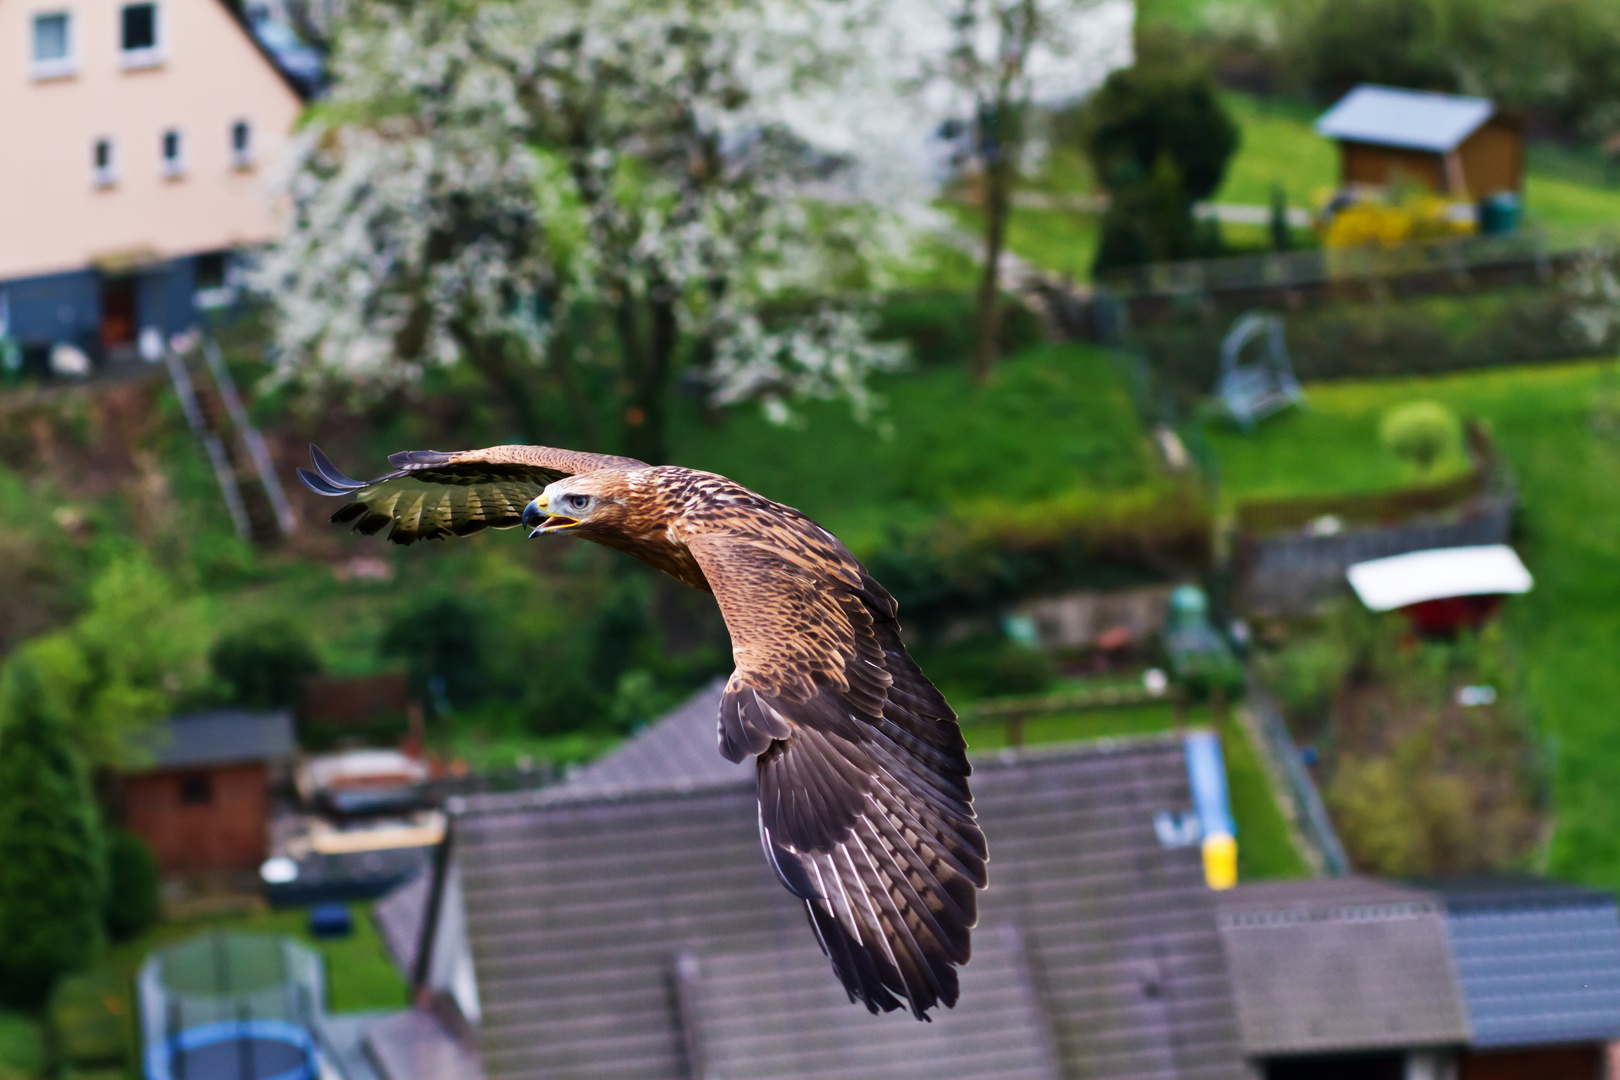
point(241, 145)
point(53, 46)
point(138, 35)
point(169, 150)
point(103, 163)
point(196, 789)
point(216, 281)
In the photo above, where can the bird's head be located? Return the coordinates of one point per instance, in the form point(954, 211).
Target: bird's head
point(588, 503)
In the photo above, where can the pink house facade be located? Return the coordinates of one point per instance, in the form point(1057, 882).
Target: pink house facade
point(139, 136)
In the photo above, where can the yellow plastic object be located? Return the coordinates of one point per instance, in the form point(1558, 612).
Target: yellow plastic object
point(1220, 861)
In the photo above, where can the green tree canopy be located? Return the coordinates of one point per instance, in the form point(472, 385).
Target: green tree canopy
point(264, 664)
point(124, 663)
point(1149, 112)
point(1159, 141)
point(52, 864)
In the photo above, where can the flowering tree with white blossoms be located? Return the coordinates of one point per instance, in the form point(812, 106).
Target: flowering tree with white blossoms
point(579, 195)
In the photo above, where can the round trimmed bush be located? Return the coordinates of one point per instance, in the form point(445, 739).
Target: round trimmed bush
point(1423, 433)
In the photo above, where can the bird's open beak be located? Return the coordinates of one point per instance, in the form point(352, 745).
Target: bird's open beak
point(537, 519)
point(540, 520)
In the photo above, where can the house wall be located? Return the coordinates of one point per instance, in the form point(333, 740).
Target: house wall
point(1493, 159)
point(52, 216)
point(1377, 166)
point(1541, 1063)
point(227, 832)
point(55, 307)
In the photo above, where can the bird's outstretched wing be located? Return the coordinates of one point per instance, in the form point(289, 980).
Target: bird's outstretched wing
point(864, 808)
point(431, 494)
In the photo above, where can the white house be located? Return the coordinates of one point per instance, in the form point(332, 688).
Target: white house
point(137, 136)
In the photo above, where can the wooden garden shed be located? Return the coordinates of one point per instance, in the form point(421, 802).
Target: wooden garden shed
point(1464, 148)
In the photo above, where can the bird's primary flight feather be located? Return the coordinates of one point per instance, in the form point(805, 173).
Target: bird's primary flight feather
point(864, 808)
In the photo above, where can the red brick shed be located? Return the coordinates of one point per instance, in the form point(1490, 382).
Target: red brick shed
point(202, 802)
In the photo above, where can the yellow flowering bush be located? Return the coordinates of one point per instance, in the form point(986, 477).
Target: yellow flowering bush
point(1411, 217)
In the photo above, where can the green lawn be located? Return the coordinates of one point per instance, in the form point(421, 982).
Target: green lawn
point(1559, 202)
point(1278, 147)
point(1057, 419)
point(22, 1047)
point(1568, 628)
point(1346, 455)
point(1264, 848)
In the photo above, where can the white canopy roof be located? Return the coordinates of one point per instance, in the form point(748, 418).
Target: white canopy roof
point(1438, 574)
point(1411, 118)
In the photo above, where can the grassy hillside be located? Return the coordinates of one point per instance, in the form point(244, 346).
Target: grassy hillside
point(1056, 419)
point(1568, 628)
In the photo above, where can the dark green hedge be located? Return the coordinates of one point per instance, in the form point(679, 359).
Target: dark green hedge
point(1371, 340)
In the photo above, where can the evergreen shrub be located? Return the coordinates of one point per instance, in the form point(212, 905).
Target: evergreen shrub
point(52, 862)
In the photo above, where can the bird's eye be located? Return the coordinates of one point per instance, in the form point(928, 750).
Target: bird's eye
point(578, 502)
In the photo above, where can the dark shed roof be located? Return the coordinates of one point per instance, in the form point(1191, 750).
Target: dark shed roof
point(626, 937)
point(1538, 962)
point(1339, 964)
point(221, 737)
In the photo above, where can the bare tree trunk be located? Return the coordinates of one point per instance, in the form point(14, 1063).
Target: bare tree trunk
point(492, 361)
point(649, 391)
point(997, 181)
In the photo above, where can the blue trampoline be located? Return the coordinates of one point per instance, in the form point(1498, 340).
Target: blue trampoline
point(231, 1007)
point(242, 1050)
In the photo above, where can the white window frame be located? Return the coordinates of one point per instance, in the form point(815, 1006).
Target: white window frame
point(173, 168)
point(62, 66)
point(241, 158)
point(104, 176)
point(150, 56)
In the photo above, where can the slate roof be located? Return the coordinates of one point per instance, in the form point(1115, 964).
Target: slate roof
point(1538, 962)
point(1339, 964)
point(795, 1015)
point(399, 918)
point(620, 937)
point(680, 751)
point(220, 737)
point(1413, 119)
point(414, 1045)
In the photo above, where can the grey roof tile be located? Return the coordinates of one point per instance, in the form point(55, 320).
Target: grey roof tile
point(775, 1013)
point(677, 752)
point(1538, 962)
point(399, 918)
point(414, 1045)
point(1339, 964)
point(578, 910)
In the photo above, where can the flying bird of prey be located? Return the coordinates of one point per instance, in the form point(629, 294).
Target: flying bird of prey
point(864, 808)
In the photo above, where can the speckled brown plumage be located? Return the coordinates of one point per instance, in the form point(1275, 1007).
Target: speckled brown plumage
point(864, 808)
